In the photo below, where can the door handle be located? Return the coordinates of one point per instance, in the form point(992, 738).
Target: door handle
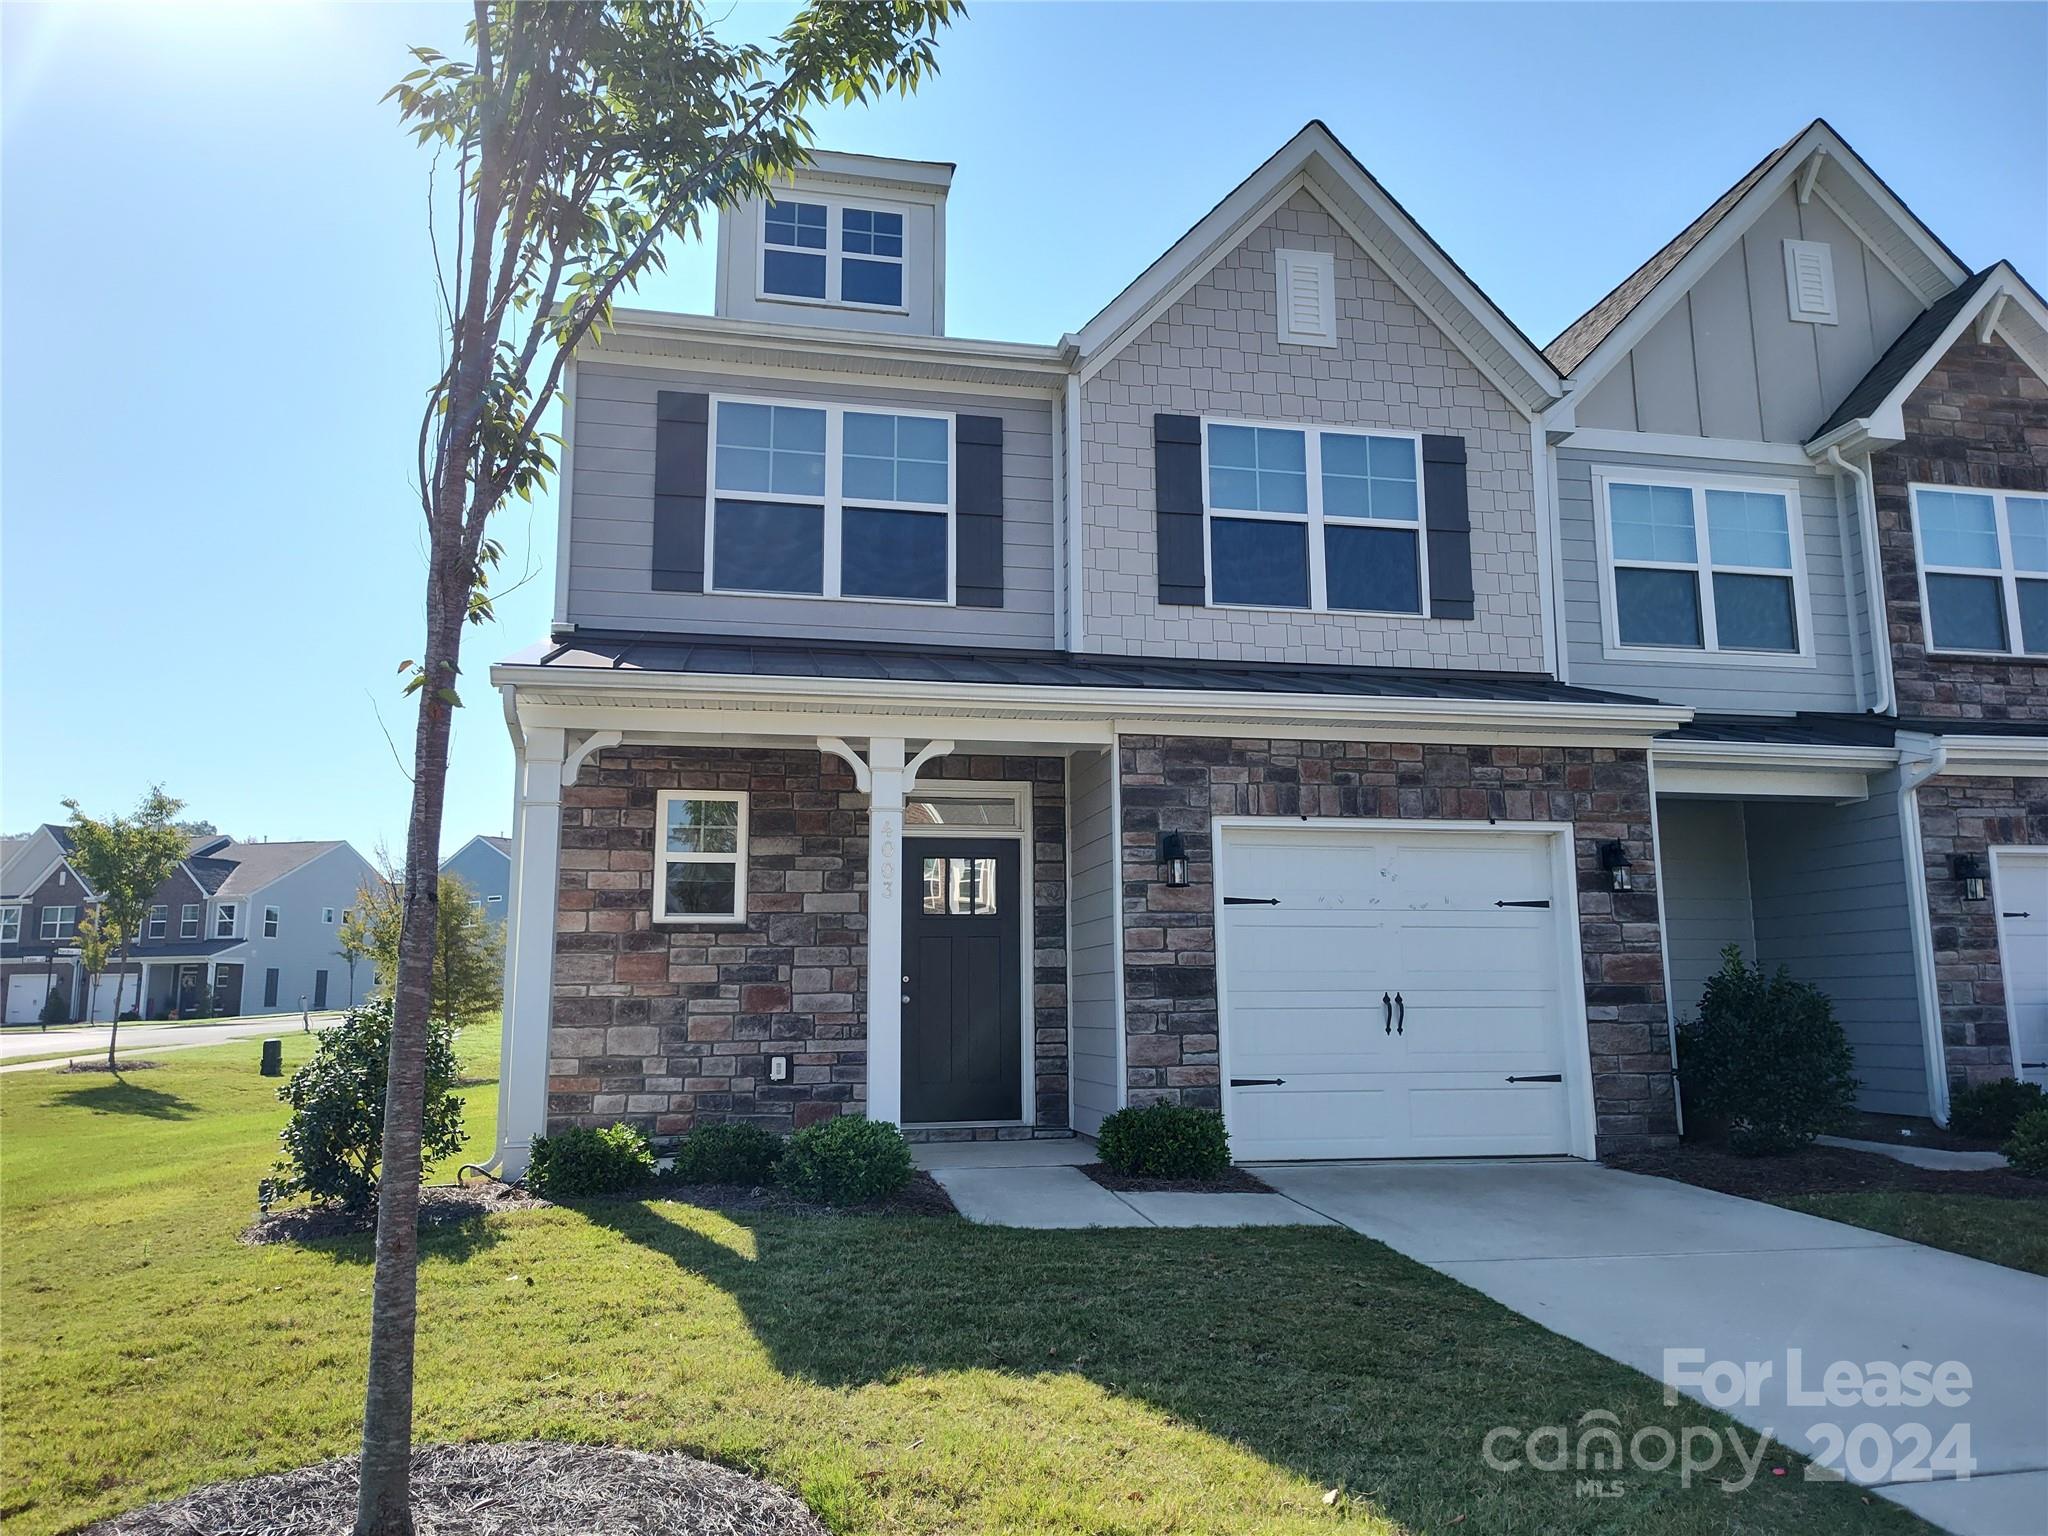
point(1400, 1015)
point(1387, 1004)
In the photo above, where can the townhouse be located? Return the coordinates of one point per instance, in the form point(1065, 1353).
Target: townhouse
point(984, 735)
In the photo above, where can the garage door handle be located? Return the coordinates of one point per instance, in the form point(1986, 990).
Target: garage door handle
point(1400, 1015)
point(1387, 1007)
point(1257, 1082)
point(1539, 1077)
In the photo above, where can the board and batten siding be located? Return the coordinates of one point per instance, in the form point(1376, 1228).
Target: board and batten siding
point(1728, 360)
point(1706, 893)
point(611, 520)
point(1091, 978)
point(1831, 905)
point(1835, 595)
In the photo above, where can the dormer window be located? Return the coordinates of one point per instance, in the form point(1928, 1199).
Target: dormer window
point(224, 920)
point(829, 252)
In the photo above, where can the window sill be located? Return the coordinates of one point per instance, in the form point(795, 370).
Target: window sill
point(1314, 613)
point(699, 922)
point(821, 597)
point(2022, 658)
point(799, 302)
point(1667, 655)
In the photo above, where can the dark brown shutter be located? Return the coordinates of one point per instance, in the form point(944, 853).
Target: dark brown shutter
point(682, 425)
point(978, 488)
point(1449, 531)
point(1177, 487)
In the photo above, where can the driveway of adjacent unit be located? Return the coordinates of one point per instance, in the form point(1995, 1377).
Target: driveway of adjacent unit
point(1635, 1266)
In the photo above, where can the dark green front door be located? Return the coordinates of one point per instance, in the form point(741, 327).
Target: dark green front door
point(963, 946)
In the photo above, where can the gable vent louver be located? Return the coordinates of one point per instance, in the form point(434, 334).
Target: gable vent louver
point(1810, 281)
point(1307, 298)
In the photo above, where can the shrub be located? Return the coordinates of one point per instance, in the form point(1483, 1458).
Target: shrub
point(846, 1160)
point(583, 1161)
point(55, 1011)
point(1165, 1141)
point(335, 1136)
point(728, 1154)
point(1765, 1060)
point(1992, 1111)
point(2027, 1148)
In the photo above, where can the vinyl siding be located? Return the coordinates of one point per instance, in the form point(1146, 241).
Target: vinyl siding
point(1706, 892)
point(611, 531)
point(1831, 904)
point(486, 872)
point(1834, 595)
point(1091, 980)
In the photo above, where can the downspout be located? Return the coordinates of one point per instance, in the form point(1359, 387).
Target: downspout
point(1873, 581)
point(1920, 759)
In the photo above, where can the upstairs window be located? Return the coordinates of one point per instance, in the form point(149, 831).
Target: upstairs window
point(59, 922)
point(1313, 518)
point(832, 253)
point(188, 920)
point(1713, 567)
point(10, 925)
point(270, 918)
point(829, 501)
point(159, 921)
point(1983, 569)
point(224, 920)
point(700, 856)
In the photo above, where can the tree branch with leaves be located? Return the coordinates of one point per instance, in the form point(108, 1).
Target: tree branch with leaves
point(125, 859)
point(582, 136)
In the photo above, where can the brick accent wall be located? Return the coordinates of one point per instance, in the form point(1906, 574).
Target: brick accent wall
point(1217, 350)
point(1178, 783)
point(664, 1026)
point(1979, 419)
point(1971, 815)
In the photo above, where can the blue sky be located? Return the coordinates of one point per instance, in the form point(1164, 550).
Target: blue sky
point(218, 321)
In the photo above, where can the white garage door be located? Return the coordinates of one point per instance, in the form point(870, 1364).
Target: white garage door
point(2022, 896)
point(1392, 994)
point(103, 1000)
point(25, 996)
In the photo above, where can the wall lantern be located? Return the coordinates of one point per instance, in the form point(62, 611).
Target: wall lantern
point(1173, 853)
point(1971, 873)
point(1614, 859)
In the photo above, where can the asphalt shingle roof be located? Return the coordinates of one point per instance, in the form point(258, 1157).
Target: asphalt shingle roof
point(1902, 356)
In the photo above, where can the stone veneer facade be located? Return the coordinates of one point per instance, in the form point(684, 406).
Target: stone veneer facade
point(1978, 420)
point(1972, 815)
point(666, 1026)
point(1178, 784)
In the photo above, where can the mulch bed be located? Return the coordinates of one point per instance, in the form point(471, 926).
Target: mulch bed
point(1820, 1171)
point(1907, 1131)
point(447, 1204)
point(526, 1488)
point(100, 1066)
point(1235, 1181)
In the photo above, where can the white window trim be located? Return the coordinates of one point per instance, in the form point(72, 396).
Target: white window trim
point(50, 924)
point(273, 922)
point(835, 224)
point(1703, 569)
point(158, 923)
point(227, 914)
point(191, 919)
point(10, 924)
point(833, 500)
point(2007, 575)
point(1318, 592)
point(663, 858)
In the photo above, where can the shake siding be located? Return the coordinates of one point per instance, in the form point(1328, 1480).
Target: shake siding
point(1827, 683)
point(1831, 904)
point(1092, 978)
point(1706, 892)
point(611, 533)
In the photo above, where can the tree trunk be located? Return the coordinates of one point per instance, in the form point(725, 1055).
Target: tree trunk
point(384, 1504)
point(114, 1030)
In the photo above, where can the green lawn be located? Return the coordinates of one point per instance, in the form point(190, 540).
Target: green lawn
point(902, 1374)
point(2009, 1232)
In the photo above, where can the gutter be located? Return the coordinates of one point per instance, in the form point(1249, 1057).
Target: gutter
point(1873, 582)
point(1920, 759)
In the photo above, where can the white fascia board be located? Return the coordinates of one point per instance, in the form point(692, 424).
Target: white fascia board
point(877, 170)
point(2024, 757)
point(1697, 262)
point(1674, 445)
point(605, 697)
point(1775, 771)
point(1311, 156)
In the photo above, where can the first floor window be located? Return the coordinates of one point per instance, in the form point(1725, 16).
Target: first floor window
point(1703, 565)
point(828, 501)
point(700, 857)
point(1317, 518)
point(10, 925)
point(224, 920)
point(59, 922)
point(159, 921)
point(1984, 559)
point(270, 918)
point(188, 920)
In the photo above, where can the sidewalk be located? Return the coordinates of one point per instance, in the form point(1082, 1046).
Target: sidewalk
point(138, 1039)
point(1039, 1184)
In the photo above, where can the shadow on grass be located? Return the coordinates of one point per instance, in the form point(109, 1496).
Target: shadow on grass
point(1314, 1349)
point(121, 1097)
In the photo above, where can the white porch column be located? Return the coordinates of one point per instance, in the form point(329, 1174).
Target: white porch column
point(886, 794)
point(530, 946)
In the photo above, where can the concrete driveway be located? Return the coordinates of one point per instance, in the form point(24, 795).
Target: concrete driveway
point(1635, 1267)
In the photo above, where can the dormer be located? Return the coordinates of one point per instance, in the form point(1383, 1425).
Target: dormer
point(851, 241)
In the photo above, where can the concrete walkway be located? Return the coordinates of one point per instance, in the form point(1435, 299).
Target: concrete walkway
point(138, 1039)
point(1039, 1184)
point(1635, 1267)
point(1919, 1157)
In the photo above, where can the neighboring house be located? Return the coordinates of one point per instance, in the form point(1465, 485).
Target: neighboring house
point(1198, 696)
point(239, 928)
point(484, 864)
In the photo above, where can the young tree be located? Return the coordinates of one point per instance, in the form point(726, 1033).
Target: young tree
point(583, 134)
point(99, 937)
point(352, 939)
point(469, 953)
point(125, 859)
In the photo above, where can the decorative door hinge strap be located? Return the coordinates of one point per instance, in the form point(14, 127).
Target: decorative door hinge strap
point(1251, 901)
